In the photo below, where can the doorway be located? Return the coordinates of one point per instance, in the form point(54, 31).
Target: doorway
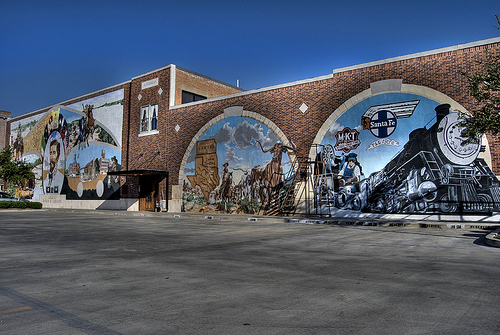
point(148, 193)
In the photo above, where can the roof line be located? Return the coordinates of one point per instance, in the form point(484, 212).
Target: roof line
point(22, 116)
point(258, 90)
point(269, 88)
point(349, 68)
point(209, 78)
point(419, 54)
point(152, 71)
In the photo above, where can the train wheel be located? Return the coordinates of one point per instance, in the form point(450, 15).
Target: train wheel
point(486, 202)
point(421, 206)
point(446, 205)
point(431, 196)
point(356, 203)
point(327, 154)
point(409, 209)
point(341, 200)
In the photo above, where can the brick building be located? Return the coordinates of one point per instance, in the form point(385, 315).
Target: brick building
point(187, 142)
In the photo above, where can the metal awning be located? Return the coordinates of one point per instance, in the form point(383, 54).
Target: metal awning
point(139, 173)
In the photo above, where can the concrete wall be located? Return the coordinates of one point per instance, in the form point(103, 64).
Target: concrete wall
point(60, 201)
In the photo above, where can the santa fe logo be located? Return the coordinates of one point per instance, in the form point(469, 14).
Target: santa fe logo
point(383, 123)
point(382, 120)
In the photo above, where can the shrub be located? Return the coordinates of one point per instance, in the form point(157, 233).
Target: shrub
point(249, 206)
point(225, 206)
point(20, 204)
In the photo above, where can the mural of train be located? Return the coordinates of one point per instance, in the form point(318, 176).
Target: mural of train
point(433, 172)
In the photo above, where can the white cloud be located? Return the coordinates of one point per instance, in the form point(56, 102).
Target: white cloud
point(231, 156)
point(332, 131)
point(225, 134)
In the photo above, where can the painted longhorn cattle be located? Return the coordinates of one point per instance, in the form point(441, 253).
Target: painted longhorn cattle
point(266, 177)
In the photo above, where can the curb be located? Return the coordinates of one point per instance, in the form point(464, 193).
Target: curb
point(397, 222)
point(348, 218)
point(200, 216)
point(492, 240)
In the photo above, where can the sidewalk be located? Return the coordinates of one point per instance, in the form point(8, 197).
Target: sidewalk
point(345, 217)
point(341, 217)
point(453, 221)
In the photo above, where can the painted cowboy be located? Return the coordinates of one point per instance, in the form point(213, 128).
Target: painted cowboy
point(351, 171)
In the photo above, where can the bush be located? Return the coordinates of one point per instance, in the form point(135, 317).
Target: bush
point(20, 204)
point(225, 206)
point(249, 206)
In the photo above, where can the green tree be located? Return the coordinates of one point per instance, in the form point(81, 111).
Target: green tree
point(15, 171)
point(484, 86)
point(6, 156)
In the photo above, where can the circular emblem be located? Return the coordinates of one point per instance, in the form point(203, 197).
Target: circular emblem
point(79, 189)
point(450, 140)
point(99, 188)
point(383, 123)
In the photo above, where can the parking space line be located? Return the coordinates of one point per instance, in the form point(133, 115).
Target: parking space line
point(14, 310)
point(71, 320)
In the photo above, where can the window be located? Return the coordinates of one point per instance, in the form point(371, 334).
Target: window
point(191, 97)
point(149, 118)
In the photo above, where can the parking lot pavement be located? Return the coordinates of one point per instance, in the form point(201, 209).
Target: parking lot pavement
point(75, 272)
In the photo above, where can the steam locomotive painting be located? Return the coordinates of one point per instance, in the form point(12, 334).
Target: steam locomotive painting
point(433, 172)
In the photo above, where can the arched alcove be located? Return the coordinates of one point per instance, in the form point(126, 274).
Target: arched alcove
point(202, 165)
point(391, 86)
point(229, 112)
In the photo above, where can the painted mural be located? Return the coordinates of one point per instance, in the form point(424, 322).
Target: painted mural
point(402, 153)
point(237, 166)
point(74, 147)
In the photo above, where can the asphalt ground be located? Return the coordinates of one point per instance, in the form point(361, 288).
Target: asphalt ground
point(94, 272)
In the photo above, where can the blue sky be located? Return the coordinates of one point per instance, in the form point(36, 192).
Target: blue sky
point(52, 51)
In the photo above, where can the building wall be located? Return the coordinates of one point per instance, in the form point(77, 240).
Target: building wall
point(88, 130)
point(280, 106)
point(439, 72)
point(147, 151)
point(298, 115)
point(198, 84)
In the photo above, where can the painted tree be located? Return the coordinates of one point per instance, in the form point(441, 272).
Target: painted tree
point(484, 86)
point(15, 171)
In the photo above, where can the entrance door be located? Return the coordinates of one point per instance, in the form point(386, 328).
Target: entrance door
point(148, 195)
point(147, 203)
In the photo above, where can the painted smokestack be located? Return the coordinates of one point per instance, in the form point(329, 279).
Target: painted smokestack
point(442, 111)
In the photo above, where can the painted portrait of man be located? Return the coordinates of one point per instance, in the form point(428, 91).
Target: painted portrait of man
point(53, 165)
